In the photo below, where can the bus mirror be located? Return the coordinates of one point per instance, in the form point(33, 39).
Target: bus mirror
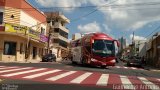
point(92, 41)
point(117, 42)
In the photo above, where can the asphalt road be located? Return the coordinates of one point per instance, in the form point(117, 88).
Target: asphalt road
point(120, 70)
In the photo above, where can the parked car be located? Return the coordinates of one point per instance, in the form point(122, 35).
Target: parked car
point(134, 61)
point(49, 58)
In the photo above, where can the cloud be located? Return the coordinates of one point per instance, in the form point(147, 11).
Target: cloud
point(90, 27)
point(122, 14)
point(106, 28)
point(131, 17)
point(137, 37)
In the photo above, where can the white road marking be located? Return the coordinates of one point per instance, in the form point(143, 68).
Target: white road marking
point(149, 84)
point(61, 76)
point(133, 68)
point(2, 66)
point(7, 67)
point(126, 83)
point(103, 80)
point(10, 70)
point(41, 74)
point(125, 67)
point(23, 72)
point(81, 78)
point(117, 66)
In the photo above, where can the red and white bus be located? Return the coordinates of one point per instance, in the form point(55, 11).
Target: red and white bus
point(97, 49)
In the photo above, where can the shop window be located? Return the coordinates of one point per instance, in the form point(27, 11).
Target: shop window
point(1, 17)
point(9, 48)
point(21, 48)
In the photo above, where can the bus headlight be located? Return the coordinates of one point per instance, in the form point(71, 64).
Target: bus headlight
point(92, 59)
point(113, 61)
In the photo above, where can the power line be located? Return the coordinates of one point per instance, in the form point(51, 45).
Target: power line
point(158, 28)
point(92, 11)
point(129, 9)
point(112, 6)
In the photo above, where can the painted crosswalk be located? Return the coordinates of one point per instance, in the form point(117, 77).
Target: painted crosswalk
point(79, 77)
point(103, 80)
point(124, 67)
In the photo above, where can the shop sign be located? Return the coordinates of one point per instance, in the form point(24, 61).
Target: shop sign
point(14, 28)
point(158, 47)
point(43, 38)
point(34, 34)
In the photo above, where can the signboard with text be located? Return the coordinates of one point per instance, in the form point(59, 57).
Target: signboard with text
point(19, 29)
point(43, 38)
point(14, 28)
point(34, 34)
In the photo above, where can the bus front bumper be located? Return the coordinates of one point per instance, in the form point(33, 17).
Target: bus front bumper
point(102, 63)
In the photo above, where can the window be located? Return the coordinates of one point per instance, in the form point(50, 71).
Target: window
point(21, 48)
point(55, 40)
point(56, 30)
point(9, 48)
point(42, 30)
point(1, 17)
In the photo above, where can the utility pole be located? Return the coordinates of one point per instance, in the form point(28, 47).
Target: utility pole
point(49, 35)
point(133, 45)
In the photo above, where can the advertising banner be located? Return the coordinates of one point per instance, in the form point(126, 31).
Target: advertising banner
point(43, 38)
point(15, 28)
point(34, 34)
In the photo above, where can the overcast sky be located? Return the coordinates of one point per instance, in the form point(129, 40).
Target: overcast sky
point(114, 17)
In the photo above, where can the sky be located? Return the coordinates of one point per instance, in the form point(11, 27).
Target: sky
point(116, 18)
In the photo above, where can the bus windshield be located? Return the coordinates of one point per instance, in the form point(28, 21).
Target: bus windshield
point(103, 48)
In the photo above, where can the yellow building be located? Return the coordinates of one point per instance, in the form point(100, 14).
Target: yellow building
point(22, 32)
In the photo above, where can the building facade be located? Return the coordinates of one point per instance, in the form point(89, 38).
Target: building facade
point(76, 36)
point(153, 50)
point(58, 33)
point(123, 44)
point(22, 31)
point(140, 48)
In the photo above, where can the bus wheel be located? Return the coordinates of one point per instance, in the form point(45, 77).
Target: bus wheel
point(103, 66)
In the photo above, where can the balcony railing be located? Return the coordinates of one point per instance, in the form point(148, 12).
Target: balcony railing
point(57, 35)
point(58, 25)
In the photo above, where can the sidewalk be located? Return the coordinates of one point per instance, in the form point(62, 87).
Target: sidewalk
point(151, 68)
point(28, 61)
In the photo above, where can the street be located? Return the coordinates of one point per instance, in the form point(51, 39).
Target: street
point(67, 76)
